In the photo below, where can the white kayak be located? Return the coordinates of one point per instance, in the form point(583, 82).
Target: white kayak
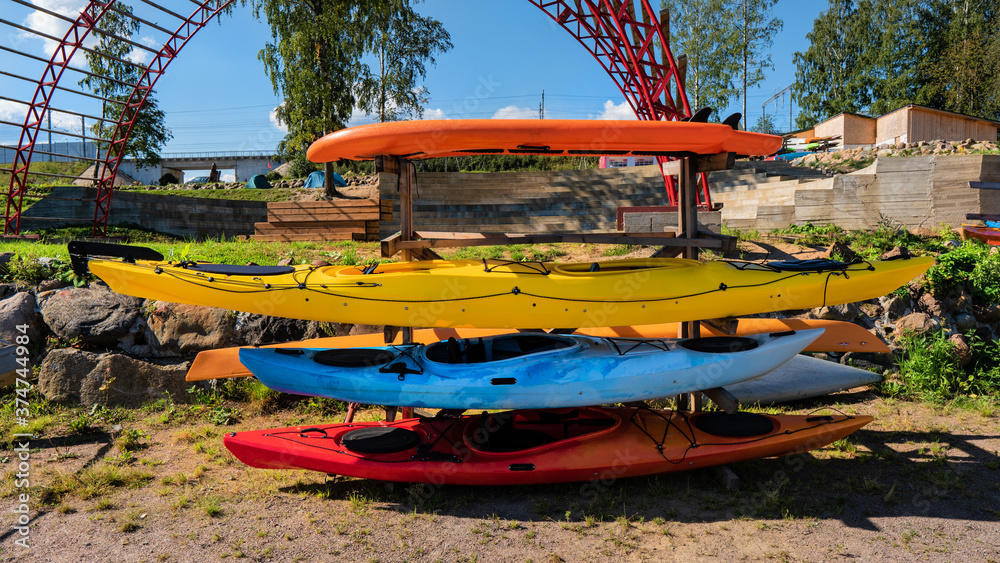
point(523, 370)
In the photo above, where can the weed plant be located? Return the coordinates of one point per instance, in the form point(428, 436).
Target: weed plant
point(973, 265)
point(930, 369)
point(869, 244)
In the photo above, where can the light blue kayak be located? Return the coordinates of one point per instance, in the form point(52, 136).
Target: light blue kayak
point(523, 370)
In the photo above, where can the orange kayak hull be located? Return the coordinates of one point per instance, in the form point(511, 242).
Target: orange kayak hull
point(989, 235)
point(551, 137)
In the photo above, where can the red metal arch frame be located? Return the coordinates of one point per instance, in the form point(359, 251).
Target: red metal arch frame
point(34, 117)
point(85, 23)
point(603, 27)
point(624, 45)
point(130, 112)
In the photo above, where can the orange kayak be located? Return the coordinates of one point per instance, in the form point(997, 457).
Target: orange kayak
point(531, 446)
point(989, 235)
point(552, 137)
point(839, 336)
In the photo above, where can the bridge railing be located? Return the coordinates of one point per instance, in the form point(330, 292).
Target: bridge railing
point(218, 154)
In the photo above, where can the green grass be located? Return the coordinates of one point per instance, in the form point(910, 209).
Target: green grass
point(930, 371)
point(40, 166)
point(273, 194)
point(24, 267)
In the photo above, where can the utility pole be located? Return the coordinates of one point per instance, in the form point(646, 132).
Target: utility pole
point(541, 107)
point(781, 95)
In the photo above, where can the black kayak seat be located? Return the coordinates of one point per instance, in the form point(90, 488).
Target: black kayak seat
point(813, 265)
point(492, 349)
point(237, 270)
point(736, 425)
point(719, 344)
point(353, 357)
point(380, 440)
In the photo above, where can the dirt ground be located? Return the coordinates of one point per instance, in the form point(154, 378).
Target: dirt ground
point(919, 483)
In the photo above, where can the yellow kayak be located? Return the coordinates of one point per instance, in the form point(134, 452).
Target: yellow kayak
point(501, 294)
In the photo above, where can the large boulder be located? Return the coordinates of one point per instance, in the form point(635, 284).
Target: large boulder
point(260, 330)
point(94, 315)
point(120, 381)
point(188, 329)
point(961, 350)
point(895, 307)
point(61, 372)
point(915, 322)
point(69, 375)
point(16, 311)
point(842, 312)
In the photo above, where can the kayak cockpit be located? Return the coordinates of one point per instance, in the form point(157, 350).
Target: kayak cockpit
point(514, 431)
point(506, 347)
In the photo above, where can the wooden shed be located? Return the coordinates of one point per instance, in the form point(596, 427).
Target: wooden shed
point(854, 129)
point(913, 123)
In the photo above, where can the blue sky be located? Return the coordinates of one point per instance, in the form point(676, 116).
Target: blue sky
point(217, 98)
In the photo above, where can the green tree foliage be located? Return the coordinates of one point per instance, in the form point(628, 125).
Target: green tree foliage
point(829, 75)
point(315, 58)
point(402, 42)
point(727, 43)
point(765, 124)
point(114, 73)
point(751, 44)
point(700, 29)
point(314, 54)
point(873, 56)
point(963, 74)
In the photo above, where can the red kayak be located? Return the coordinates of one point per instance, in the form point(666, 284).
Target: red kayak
point(533, 446)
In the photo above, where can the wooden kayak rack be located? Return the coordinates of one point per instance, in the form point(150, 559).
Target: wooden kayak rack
point(685, 241)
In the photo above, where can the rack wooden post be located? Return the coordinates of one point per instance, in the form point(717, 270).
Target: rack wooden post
point(418, 245)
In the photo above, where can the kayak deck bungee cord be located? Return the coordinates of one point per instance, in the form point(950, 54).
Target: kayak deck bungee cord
point(503, 294)
point(537, 446)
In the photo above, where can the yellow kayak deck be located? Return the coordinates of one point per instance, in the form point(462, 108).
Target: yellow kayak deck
point(500, 294)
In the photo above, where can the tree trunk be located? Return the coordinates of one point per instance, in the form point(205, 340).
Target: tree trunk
point(328, 186)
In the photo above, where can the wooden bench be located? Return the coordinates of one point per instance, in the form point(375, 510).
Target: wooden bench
point(349, 219)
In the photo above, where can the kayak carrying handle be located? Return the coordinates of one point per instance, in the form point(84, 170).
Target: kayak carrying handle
point(400, 369)
point(80, 252)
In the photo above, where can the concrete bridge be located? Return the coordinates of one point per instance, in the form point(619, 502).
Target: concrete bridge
point(244, 165)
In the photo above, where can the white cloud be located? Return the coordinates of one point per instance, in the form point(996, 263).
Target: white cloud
point(273, 116)
point(622, 111)
point(435, 114)
point(12, 111)
point(514, 112)
point(142, 56)
point(44, 23)
point(359, 117)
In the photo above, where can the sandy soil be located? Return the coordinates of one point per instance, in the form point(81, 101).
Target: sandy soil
point(920, 483)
